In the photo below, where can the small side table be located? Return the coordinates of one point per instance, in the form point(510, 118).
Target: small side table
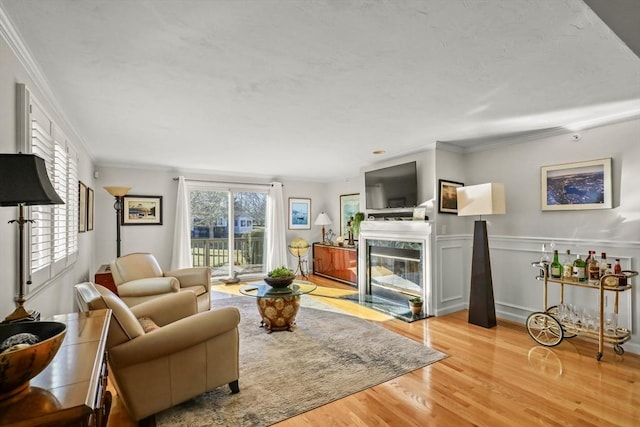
point(278, 307)
point(103, 277)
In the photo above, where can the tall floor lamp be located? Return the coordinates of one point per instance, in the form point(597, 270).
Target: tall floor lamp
point(24, 182)
point(118, 193)
point(478, 200)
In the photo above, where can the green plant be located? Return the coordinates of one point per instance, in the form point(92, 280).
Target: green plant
point(416, 300)
point(358, 217)
point(280, 272)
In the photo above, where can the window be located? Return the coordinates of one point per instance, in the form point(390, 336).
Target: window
point(53, 236)
point(227, 250)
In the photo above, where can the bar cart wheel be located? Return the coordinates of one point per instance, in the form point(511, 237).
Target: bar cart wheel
point(553, 311)
point(544, 329)
point(598, 356)
point(618, 349)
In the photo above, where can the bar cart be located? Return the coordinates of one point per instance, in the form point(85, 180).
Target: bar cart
point(549, 327)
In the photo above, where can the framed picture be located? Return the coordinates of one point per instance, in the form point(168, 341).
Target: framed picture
point(576, 186)
point(141, 210)
point(349, 205)
point(82, 207)
point(89, 209)
point(448, 196)
point(299, 214)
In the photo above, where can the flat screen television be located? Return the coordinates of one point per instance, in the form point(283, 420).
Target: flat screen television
point(392, 187)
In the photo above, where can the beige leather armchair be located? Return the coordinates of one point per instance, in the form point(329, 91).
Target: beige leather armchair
point(182, 354)
point(139, 278)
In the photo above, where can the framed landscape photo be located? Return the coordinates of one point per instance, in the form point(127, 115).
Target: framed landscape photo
point(82, 207)
point(448, 196)
point(299, 214)
point(141, 210)
point(349, 205)
point(576, 186)
point(89, 209)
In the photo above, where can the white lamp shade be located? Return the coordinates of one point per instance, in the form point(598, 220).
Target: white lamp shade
point(483, 199)
point(323, 219)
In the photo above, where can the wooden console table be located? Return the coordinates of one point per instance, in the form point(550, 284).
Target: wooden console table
point(336, 262)
point(72, 390)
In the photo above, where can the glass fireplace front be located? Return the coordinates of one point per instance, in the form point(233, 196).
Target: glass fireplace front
point(395, 269)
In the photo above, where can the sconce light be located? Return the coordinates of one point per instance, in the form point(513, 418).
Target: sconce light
point(483, 199)
point(24, 182)
point(118, 193)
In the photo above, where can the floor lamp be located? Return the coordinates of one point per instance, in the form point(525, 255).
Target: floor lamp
point(118, 193)
point(24, 182)
point(478, 200)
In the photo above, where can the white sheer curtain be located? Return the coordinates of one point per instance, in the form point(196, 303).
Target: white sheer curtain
point(276, 220)
point(181, 254)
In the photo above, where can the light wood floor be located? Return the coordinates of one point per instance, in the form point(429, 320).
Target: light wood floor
point(492, 377)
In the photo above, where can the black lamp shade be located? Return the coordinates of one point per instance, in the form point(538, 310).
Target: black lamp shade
point(24, 180)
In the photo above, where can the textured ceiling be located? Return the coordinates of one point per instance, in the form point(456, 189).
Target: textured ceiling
point(308, 89)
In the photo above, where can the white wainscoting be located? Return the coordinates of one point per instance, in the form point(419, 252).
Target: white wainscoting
point(517, 293)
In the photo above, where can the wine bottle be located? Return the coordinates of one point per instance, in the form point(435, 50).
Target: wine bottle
point(556, 267)
point(567, 267)
point(603, 264)
point(593, 269)
point(617, 269)
point(579, 269)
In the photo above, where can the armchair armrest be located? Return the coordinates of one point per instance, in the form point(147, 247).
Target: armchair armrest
point(174, 337)
point(192, 276)
point(168, 308)
point(149, 286)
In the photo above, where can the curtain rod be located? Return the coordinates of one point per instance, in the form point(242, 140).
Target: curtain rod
point(226, 182)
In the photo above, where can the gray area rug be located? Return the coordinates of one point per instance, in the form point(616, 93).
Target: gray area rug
point(328, 356)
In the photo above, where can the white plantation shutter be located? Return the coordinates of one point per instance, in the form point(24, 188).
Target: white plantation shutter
point(53, 236)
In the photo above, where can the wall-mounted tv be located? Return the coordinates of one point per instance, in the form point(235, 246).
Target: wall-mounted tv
point(392, 187)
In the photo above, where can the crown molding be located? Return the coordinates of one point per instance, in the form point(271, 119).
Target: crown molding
point(21, 51)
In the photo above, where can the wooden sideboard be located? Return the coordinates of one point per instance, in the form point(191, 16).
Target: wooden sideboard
point(336, 262)
point(72, 390)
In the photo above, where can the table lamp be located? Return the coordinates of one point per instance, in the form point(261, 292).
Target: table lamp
point(323, 219)
point(478, 200)
point(118, 193)
point(24, 182)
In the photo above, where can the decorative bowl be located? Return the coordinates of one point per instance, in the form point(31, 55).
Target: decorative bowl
point(279, 282)
point(20, 365)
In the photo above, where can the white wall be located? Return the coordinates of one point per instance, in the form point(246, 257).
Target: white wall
point(516, 238)
point(57, 295)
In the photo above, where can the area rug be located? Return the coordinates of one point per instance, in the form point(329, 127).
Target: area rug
point(328, 356)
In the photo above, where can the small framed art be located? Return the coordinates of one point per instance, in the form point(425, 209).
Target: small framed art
point(89, 209)
point(82, 207)
point(448, 196)
point(299, 214)
point(576, 186)
point(141, 210)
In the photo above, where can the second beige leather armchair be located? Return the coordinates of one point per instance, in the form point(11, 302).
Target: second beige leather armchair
point(139, 278)
point(182, 355)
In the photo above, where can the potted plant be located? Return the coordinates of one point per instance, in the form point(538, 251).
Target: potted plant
point(358, 217)
point(415, 304)
point(280, 277)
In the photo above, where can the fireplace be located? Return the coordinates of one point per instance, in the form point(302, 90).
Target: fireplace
point(393, 264)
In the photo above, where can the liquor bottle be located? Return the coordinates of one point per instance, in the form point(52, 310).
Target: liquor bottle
point(556, 267)
point(603, 264)
point(617, 269)
point(593, 269)
point(579, 269)
point(567, 267)
point(544, 259)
